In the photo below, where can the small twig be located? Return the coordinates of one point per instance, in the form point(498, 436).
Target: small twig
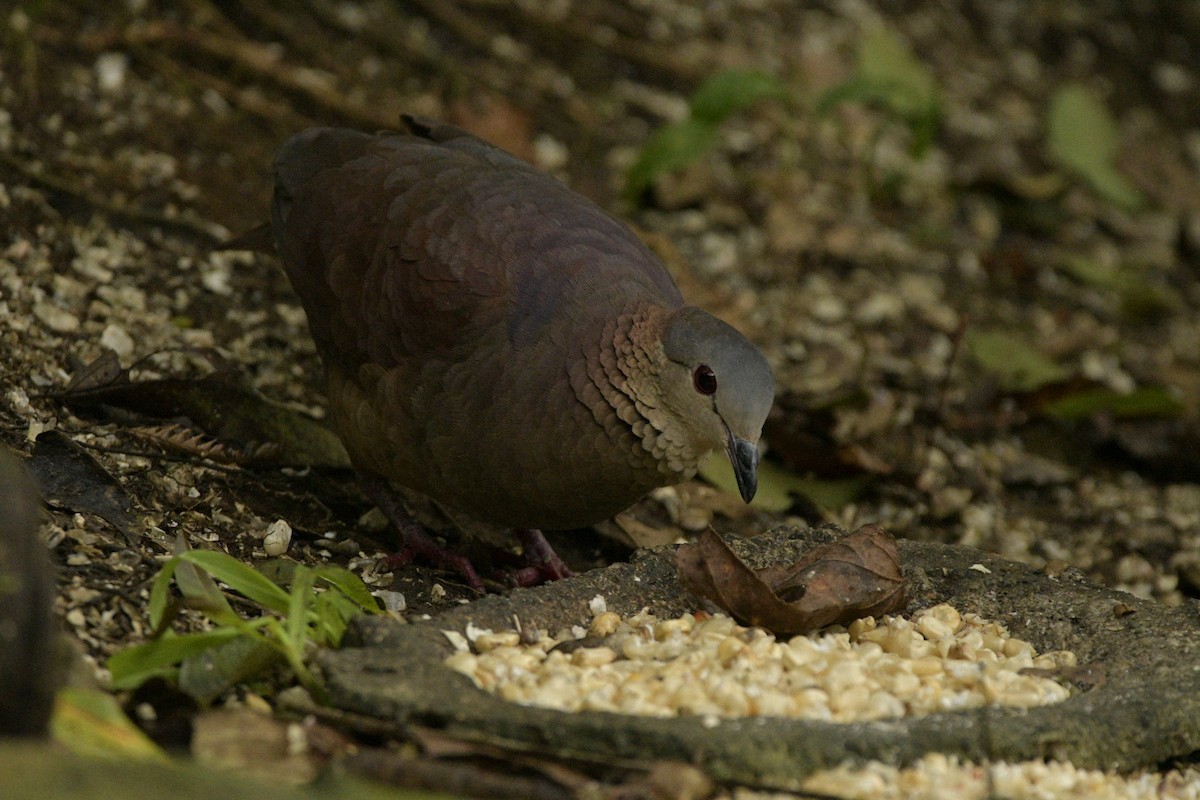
point(454, 776)
point(581, 34)
point(190, 441)
point(248, 100)
point(460, 23)
point(385, 40)
point(305, 39)
point(119, 213)
point(152, 455)
point(253, 57)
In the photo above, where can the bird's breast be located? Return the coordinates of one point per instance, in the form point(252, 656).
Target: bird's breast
point(513, 445)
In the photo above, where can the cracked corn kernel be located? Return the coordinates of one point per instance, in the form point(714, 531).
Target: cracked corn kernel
point(604, 624)
point(875, 669)
point(940, 777)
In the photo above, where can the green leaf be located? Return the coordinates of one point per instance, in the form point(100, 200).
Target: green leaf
point(90, 722)
point(771, 495)
point(278, 570)
point(349, 585)
point(294, 657)
point(202, 593)
point(1141, 301)
point(890, 77)
point(1083, 138)
point(160, 595)
point(1018, 366)
point(885, 61)
point(855, 90)
point(1146, 401)
point(678, 145)
point(133, 666)
point(672, 147)
point(196, 585)
point(832, 495)
point(207, 664)
point(778, 488)
point(1146, 304)
point(207, 675)
point(333, 612)
point(348, 597)
point(240, 577)
point(300, 599)
point(731, 91)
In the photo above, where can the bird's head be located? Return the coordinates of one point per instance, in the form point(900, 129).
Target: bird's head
point(719, 387)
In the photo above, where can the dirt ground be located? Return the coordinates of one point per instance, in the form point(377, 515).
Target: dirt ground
point(893, 279)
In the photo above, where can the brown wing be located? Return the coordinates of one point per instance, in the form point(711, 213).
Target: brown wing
point(454, 291)
point(406, 247)
point(366, 230)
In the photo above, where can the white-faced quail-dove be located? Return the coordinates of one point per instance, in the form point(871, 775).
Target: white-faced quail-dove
point(499, 343)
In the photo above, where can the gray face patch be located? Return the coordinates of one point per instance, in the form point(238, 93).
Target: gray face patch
point(745, 386)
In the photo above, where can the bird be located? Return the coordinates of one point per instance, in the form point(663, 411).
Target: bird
point(499, 343)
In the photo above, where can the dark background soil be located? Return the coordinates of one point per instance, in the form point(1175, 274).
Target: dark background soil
point(136, 137)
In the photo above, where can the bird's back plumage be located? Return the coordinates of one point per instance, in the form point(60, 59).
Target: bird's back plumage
point(491, 338)
point(471, 313)
point(441, 235)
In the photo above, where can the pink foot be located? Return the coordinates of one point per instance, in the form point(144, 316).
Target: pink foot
point(542, 563)
point(416, 539)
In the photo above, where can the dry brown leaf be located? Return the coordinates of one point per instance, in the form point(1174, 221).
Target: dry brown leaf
point(637, 534)
point(70, 477)
point(183, 439)
point(104, 370)
point(223, 404)
point(494, 119)
point(856, 576)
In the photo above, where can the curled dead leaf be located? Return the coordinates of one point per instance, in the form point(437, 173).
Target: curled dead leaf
point(856, 576)
point(68, 476)
point(222, 404)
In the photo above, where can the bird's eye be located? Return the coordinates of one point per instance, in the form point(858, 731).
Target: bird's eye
point(704, 380)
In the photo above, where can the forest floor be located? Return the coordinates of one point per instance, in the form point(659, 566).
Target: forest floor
point(966, 235)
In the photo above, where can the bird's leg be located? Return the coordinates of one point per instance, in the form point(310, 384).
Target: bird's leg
point(542, 563)
point(416, 539)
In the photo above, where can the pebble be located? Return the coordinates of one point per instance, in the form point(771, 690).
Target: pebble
point(116, 338)
point(56, 319)
point(111, 69)
point(277, 538)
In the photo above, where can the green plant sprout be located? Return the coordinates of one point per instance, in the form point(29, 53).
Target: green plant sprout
point(891, 78)
point(675, 146)
point(313, 612)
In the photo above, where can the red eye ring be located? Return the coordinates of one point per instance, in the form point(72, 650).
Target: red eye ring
point(704, 380)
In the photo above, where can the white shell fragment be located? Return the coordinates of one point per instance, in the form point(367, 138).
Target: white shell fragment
point(458, 641)
point(277, 538)
point(940, 660)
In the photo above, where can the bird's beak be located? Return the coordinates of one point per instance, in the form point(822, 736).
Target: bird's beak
point(743, 455)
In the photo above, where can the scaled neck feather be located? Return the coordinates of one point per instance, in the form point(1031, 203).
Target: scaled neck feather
point(624, 393)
